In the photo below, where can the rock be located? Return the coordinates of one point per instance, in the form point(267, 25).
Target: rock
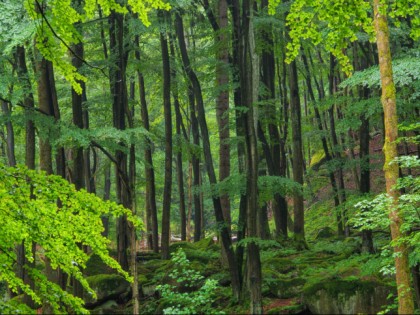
point(346, 297)
point(107, 287)
point(148, 290)
point(108, 307)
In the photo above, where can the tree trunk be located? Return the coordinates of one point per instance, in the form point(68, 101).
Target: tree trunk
point(222, 103)
point(28, 102)
point(248, 79)
point(297, 158)
point(166, 207)
point(151, 209)
point(179, 168)
point(224, 231)
point(119, 94)
point(405, 296)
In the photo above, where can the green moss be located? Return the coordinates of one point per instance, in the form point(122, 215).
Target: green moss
point(204, 243)
point(334, 287)
point(280, 265)
point(106, 282)
point(184, 245)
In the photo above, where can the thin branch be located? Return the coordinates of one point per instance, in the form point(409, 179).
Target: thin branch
point(64, 43)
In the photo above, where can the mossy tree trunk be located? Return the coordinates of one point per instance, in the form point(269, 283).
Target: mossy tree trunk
point(405, 296)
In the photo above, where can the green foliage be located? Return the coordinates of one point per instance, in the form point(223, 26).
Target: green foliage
point(337, 23)
point(373, 213)
point(50, 212)
point(198, 301)
point(56, 27)
point(268, 186)
point(405, 72)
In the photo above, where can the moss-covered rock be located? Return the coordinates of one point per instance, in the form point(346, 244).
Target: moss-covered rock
point(107, 287)
point(109, 307)
point(341, 296)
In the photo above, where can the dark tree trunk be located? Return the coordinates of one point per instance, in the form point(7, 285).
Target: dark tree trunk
point(151, 209)
point(248, 71)
point(179, 168)
point(224, 231)
point(222, 103)
point(119, 104)
point(166, 207)
point(28, 102)
point(299, 228)
point(195, 160)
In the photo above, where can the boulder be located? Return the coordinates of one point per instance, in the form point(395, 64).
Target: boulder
point(109, 307)
point(107, 287)
point(338, 296)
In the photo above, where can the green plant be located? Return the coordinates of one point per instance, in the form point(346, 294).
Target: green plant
point(46, 210)
point(198, 301)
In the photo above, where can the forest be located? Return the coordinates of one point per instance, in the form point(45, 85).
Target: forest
point(210, 156)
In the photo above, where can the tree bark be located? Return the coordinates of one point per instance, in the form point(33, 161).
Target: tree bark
point(222, 103)
point(119, 104)
point(297, 158)
point(166, 207)
point(405, 296)
point(151, 209)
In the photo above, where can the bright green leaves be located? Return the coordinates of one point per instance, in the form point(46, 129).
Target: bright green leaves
point(48, 211)
point(56, 30)
point(334, 23)
point(337, 23)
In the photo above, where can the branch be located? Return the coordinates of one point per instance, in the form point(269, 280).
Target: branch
point(64, 43)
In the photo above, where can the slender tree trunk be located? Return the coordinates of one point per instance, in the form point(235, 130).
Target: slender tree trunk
point(248, 79)
point(224, 231)
point(222, 103)
point(179, 168)
point(119, 94)
point(405, 296)
point(28, 102)
point(299, 228)
point(166, 208)
point(151, 209)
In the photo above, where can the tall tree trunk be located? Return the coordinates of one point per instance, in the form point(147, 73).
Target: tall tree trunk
point(224, 231)
point(28, 102)
point(166, 207)
point(405, 296)
point(179, 168)
point(336, 149)
point(222, 103)
point(119, 104)
point(248, 79)
point(299, 223)
point(267, 77)
point(151, 209)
